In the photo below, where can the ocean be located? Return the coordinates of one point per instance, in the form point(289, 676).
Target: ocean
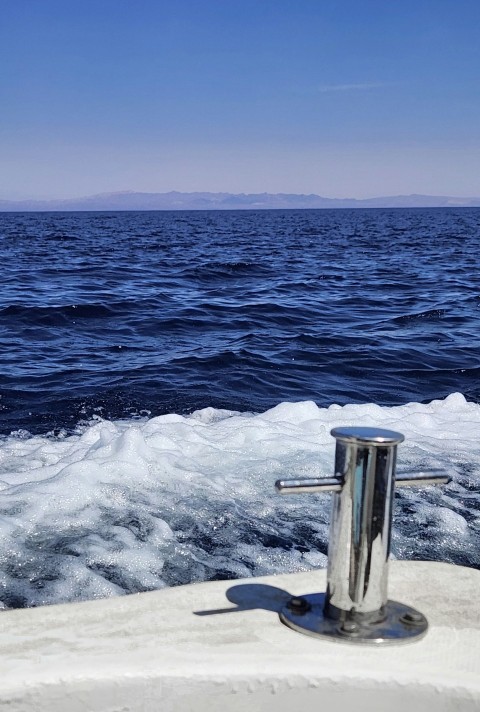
point(160, 370)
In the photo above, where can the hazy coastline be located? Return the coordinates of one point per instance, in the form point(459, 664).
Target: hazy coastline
point(175, 200)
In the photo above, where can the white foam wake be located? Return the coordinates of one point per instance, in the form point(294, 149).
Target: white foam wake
point(135, 505)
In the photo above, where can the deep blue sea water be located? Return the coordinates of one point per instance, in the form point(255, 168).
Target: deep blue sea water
point(122, 313)
point(160, 370)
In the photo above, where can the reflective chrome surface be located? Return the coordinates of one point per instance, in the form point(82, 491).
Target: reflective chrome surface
point(355, 604)
point(317, 484)
point(361, 519)
point(422, 480)
point(398, 624)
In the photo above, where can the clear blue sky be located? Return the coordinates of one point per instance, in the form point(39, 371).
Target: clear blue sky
point(346, 98)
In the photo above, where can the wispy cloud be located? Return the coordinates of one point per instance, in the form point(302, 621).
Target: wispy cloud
point(324, 88)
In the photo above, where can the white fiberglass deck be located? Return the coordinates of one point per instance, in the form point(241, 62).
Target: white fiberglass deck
point(178, 649)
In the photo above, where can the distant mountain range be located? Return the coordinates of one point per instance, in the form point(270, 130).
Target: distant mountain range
point(131, 200)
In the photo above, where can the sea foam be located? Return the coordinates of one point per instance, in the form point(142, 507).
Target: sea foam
point(134, 505)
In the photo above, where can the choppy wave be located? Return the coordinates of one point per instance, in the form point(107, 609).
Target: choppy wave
point(173, 311)
point(124, 319)
point(134, 505)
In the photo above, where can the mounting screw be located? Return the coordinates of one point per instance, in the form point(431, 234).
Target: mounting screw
point(412, 618)
point(298, 605)
point(349, 627)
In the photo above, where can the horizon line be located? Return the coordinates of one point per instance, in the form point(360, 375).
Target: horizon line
point(132, 193)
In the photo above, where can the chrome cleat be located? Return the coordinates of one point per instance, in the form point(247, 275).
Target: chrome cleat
point(355, 606)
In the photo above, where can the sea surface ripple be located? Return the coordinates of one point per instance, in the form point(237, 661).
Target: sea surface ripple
point(122, 313)
point(160, 370)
